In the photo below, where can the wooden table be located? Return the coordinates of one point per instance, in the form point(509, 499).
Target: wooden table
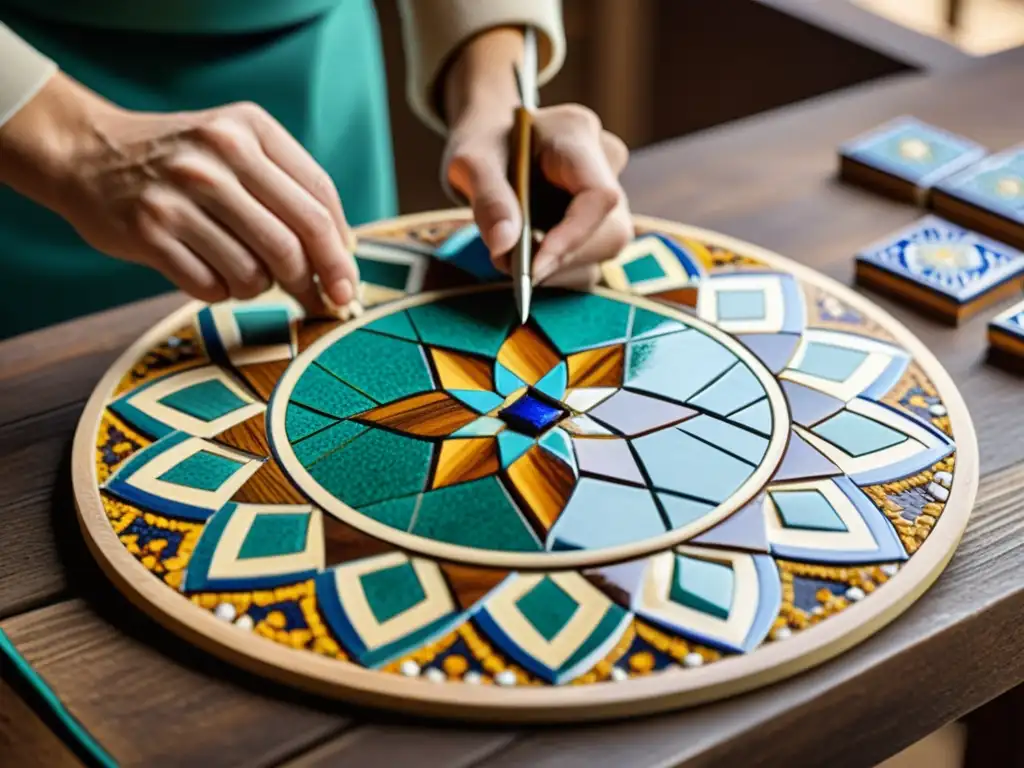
point(151, 700)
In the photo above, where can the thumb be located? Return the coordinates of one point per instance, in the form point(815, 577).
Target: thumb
point(495, 209)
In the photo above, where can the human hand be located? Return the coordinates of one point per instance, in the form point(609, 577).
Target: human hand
point(223, 202)
point(571, 149)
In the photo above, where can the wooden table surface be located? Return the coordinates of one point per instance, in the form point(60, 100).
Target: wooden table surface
point(150, 699)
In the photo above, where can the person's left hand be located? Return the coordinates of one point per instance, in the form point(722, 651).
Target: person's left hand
point(573, 151)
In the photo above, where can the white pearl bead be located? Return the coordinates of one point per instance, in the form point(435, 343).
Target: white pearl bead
point(434, 675)
point(506, 677)
point(472, 677)
point(225, 612)
point(619, 674)
point(938, 410)
point(693, 659)
point(945, 479)
point(409, 668)
point(890, 570)
point(937, 492)
point(781, 633)
point(245, 622)
point(853, 594)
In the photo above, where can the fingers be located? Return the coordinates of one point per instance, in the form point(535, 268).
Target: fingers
point(580, 278)
point(480, 175)
point(610, 237)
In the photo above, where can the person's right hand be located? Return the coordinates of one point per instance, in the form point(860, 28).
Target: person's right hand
point(223, 202)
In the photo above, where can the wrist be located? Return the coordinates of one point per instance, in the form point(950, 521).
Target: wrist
point(38, 143)
point(481, 78)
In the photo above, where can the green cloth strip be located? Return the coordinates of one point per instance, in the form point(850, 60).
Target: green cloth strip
point(70, 731)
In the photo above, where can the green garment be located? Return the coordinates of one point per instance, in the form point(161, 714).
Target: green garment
point(321, 76)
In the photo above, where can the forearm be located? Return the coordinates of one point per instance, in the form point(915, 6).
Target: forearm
point(481, 75)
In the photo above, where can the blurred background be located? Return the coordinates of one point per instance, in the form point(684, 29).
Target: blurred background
point(659, 69)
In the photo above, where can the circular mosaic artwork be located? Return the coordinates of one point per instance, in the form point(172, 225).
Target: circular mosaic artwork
point(712, 471)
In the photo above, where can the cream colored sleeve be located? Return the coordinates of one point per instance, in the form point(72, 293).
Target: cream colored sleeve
point(434, 29)
point(23, 72)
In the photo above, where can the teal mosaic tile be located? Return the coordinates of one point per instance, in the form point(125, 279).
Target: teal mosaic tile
point(858, 435)
point(643, 269)
point(547, 607)
point(300, 422)
point(396, 324)
point(318, 390)
point(382, 367)
point(647, 323)
point(575, 321)
point(203, 471)
point(512, 445)
point(506, 382)
point(275, 535)
point(556, 441)
point(703, 586)
point(472, 323)
point(553, 383)
point(374, 467)
point(206, 401)
point(311, 449)
point(386, 273)
point(398, 513)
point(479, 400)
point(475, 514)
point(392, 591)
point(263, 326)
point(808, 510)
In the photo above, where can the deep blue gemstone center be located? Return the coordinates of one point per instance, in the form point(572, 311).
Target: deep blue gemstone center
point(531, 415)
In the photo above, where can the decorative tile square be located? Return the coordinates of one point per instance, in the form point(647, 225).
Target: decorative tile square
point(996, 184)
point(942, 267)
point(1006, 331)
point(913, 150)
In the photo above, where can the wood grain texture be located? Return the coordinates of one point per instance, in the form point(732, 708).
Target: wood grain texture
point(167, 706)
point(25, 740)
point(429, 414)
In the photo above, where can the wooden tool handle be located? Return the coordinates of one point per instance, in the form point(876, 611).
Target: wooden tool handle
point(520, 157)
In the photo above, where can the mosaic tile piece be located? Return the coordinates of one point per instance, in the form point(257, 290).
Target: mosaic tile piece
point(681, 511)
point(464, 323)
point(576, 321)
point(245, 333)
point(994, 184)
point(301, 422)
point(735, 390)
point(381, 367)
point(605, 514)
point(726, 437)
point(553, 383)
point(775, 350)
point(165, 477)
point(396, 324)
point(752, 302)
point(651, 264)
point(319, 391)
point(556, 626)
point(1006, 331)
point(856, 533)
point(430, 414)
point(558, 443)
point(391, 266)
point(663, 365)
point(602, 367)
point(543, 482)
point(924, 444)
point(631, 414)
point(869, 375)
point(647, 324)
point(466, 250)
point(381, 607)
point(470, 585)
point(703, 585)
point(256, 546)
point(479, 400)
point(202, 401)
point(527, 355)
point(710, 474)
point(506, 382)
point(808, 406)
point(375, 466)
point(459, 461)
point(584, 426)
point(397, 513)
point(858, 435)
point(481, 427)
point(650, 589)
point(585, 398)
point(757, 417)
point(743, 530)
point(311, 449)
point(512, 445)
point(913, 150)
point(608, 458)
point(530, 415)
point(802, 460)
point(458, 371)
point(477, 514)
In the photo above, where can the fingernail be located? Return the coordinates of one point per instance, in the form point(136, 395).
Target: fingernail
point(503, 235)
point(543, 269)
point(342, 292)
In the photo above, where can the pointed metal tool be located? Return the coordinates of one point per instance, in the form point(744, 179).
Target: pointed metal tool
point(521, 158)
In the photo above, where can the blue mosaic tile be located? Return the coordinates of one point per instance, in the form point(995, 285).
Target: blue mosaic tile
point(995, 184)
point(530, 415)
